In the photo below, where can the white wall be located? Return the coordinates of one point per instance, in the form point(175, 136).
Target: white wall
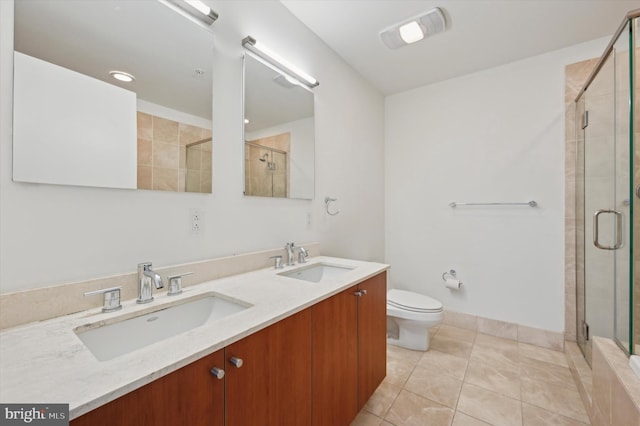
point(492, 136)
point(55, 234)
point(100, 135)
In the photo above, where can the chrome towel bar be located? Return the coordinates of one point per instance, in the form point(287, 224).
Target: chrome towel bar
point(530, 204)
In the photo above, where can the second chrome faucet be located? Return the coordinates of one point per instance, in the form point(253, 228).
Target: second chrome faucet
point(147, 277)
point(302, 254)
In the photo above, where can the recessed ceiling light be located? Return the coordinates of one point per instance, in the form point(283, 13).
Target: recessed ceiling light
point(246, 121)
point(414, 29)
point(411, 32)
point(122, 76)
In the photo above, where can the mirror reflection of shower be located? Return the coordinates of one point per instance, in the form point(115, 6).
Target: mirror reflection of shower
point(197, 166)
point(266, 170)
point(270, 164)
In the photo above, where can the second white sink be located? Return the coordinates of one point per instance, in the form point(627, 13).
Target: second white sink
point(111, 340)
point(316, 272)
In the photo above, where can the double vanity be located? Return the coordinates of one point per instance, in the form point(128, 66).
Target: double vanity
point(305, 344)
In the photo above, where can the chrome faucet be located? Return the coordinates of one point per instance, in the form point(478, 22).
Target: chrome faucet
point(302, 255)
point(290, 255)
point(145, 277)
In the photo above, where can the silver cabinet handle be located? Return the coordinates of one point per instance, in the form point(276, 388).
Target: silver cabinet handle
point(360, 293)
point(596, 236)
point(237, 362)
point(218, 373)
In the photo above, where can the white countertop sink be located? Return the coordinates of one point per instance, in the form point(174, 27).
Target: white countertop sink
point(316, 273)
point(124, 335)
point(53, 360)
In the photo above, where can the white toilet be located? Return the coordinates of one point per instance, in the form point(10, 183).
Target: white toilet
point(409, 317)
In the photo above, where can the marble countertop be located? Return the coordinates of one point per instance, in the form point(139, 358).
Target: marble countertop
point(45, 362)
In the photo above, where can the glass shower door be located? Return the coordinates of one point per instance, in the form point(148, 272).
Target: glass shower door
point(605, 204)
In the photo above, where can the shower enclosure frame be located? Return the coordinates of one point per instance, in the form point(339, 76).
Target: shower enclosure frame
point(620, 249)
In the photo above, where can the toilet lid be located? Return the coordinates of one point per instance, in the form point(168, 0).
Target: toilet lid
point(412, 301)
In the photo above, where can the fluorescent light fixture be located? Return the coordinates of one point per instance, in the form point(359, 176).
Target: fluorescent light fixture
point(195, 10)
point(199, 6)
point(414, 29)
point(122, 76)
point(280, 64)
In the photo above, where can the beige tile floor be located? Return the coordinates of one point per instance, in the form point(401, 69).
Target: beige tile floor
point(468, 378)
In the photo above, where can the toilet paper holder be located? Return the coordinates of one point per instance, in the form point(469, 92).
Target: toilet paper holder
point(451, 280)
point(451, 273)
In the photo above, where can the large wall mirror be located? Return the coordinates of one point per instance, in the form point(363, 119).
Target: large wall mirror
point(279, 133)
point(74, 124)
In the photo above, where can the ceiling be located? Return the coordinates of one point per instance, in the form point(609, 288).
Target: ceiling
point(480, 34)
point(143, 38)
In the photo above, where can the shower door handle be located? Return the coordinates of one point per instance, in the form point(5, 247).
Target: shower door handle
point(618, 218)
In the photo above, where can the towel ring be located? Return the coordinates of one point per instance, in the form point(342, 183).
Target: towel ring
point(327, 201)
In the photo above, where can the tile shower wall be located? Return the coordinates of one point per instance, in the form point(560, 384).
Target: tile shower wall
point(170, 157)
point(576, 74)
point(260, 179)
point(616, 390)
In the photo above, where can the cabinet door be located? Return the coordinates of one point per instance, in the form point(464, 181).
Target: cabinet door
point(189, 396)
point(335, 359)
point(372, 336)
point(273, 385)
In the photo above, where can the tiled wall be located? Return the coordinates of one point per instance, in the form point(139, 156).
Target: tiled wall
point(520, 333)
point(616, 390)
point(163, 160)
point(575, 76)
point(259, 179)
point(198, 166)
point(609, 389)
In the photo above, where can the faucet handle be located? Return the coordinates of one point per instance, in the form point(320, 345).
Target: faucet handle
point(111, 301)
point(277, 264)
point(175, 283)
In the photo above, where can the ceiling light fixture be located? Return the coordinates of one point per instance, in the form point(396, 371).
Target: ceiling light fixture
point(279, 64)
point(122, 76)
point(195, 10)
point(414, 29)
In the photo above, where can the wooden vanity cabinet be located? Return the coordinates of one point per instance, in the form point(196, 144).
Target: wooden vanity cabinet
point(318, 366)
point(372, 336)
point(273, 385)
point(349, 350)
point(335, 359)
point(188, 396)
